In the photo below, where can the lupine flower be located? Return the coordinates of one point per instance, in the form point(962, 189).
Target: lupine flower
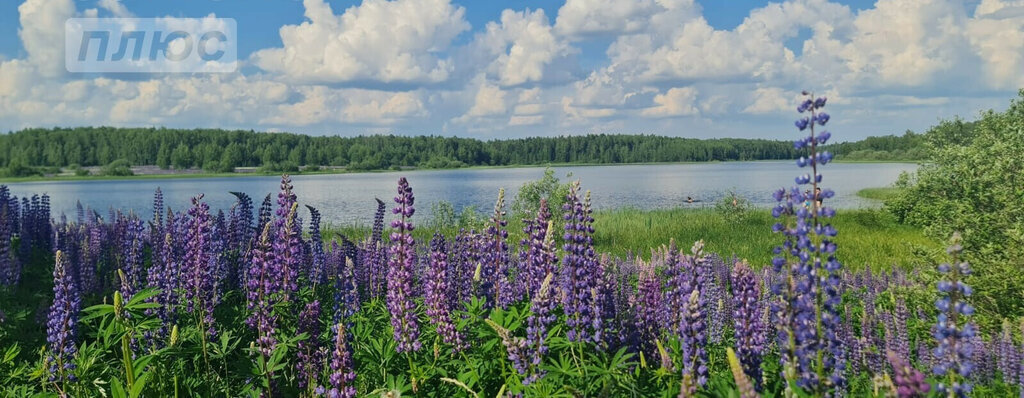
point(678, 288)
point(494, 284)
point(131, 244)
point(1009, 357)
point(200, 277)
point(748, 329)
point(435, 291)
point(401, 261)
point(909, 382)
point(346, 288)
point(515, 347)
point(715, 297)
point(465, 258)
point(157, 224)
point(952, 331)
point(239, 240)
point(287, 243)
point(808, 313)
point(743, 383)
point(900, 339)
point(649, 309)
point(317, 272)
point(10, 271)
point(240, 220)
point(694, 341)
point(261, 294)
point(62, 322)
point(577, 273)
point(539, 260)
point(309, 356)
point(263, 216)
point(376, 269)
point(342, 377)
point(542, 316)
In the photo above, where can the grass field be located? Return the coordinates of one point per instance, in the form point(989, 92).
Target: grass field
point(866, 237)
point(878, 193)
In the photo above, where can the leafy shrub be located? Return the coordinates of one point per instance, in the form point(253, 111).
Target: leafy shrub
point(972, 182)
point(548, 187)
point(117, 168)
point(733, 207)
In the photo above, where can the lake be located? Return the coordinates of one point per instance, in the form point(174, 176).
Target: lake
point(348, 198)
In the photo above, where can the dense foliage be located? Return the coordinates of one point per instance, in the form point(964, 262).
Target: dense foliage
point(253, 303)
point(972, 182)
point(23, 152)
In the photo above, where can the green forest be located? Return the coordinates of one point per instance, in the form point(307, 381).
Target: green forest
point(44, 151)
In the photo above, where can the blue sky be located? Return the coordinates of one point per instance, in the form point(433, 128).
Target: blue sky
point(491, 69)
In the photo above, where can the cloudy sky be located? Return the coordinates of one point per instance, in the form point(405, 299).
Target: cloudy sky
point(496, 69)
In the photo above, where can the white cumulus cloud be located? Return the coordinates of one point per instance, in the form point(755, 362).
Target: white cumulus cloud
point(377, 41)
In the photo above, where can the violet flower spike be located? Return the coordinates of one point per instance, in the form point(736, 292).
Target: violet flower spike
point(62, 323)
point(401, 263)
point(436, 287)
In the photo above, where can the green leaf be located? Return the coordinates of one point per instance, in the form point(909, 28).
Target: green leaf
point(116, 389)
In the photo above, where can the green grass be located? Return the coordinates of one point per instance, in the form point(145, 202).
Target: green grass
point(878, 193)
point(866, 237)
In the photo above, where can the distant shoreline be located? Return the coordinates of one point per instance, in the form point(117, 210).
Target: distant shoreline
point(193, 173)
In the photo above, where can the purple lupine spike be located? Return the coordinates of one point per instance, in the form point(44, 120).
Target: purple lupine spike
point(855, 353)
point(218, 257)
point(494, 284)
point(240, 220)
point(649, 309)
point(62, 323)
point(515, 347)
point(342, 376)
point(317, 272)
point(346, 287)
point(164, 275)
point(401, 261)
point(693, 341)
point(577, 272)
point(10, 270)
point(715, 298)
point(901, 339)
point(435, 291)
point(952, 331)
point(200, 278)
point(537, 261)
point(264, 214)
point(909, 382)
point(748, 329)
point(287, 243)
point(623, 327)
point(156, 229)
point(808, 312)
point(542, 316)
point(465, 258)
point(131, 244)
point(376, 271)
point(309, 356)
point(675, 297)
point(606, 306)
point(262, 295)
point(91, 253)
point(1009, 359)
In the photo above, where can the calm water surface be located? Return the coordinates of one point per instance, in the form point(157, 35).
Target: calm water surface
point(348, 198)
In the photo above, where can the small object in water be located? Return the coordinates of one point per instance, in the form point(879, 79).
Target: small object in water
point(689, 199)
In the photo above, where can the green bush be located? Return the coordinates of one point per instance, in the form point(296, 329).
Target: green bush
point(732, 207)
point(973, 183)
point(527, 200)
point(118, 168)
